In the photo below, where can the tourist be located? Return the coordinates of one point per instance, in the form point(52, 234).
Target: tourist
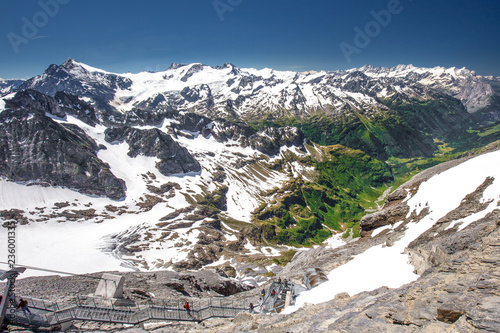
point(23, 305)
point(188, 309)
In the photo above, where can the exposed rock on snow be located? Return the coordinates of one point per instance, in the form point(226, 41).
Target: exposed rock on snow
point(172, 158)
point(36, 149)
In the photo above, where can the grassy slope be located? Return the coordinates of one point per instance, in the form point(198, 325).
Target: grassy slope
point(412, 136)
point(306, 212)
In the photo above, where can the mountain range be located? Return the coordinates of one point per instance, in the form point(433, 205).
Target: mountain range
point(199, 166)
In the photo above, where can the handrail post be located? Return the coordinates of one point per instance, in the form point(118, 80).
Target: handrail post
point(165, 306)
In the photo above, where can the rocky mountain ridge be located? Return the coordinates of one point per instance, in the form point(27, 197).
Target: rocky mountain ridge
point(400, 111)
point(8, 86)
point(244, 94)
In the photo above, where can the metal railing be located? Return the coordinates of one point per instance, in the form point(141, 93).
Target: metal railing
point(86, 308)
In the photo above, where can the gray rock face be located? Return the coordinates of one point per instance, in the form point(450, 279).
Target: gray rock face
point(74, 79)
point(224, 131)
point(35, 101)
point(272, 139)
point(192, 122)
point(9, 86)
point(71, 104)
point(152, 142)
point(33, 147)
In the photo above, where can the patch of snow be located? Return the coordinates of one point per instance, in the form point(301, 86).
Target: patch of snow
point(252, 249)
point(92, 69)
point(231, 238)
point(334, 241)
point(270, 251)
point(222, 260)
point(379, 230)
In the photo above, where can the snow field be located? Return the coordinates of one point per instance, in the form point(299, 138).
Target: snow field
point(77, 247)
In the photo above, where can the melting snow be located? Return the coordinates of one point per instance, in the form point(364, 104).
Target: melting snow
point(388, 266)
point(77, 246)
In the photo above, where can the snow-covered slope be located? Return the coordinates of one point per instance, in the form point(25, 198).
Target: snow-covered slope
point(473, 90)
point(158, 223)
point(389, 265)
point(252, 93)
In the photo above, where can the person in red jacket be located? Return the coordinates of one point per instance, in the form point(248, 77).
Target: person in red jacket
point(23, 304)
point(188, 309)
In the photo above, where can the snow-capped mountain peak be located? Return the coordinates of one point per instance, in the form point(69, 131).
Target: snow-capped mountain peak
point(252, 93)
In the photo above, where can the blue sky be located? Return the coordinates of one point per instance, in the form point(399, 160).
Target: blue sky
point(133, 36)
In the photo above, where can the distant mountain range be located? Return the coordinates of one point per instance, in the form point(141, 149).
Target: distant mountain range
point(360, 105)
point(249, 93)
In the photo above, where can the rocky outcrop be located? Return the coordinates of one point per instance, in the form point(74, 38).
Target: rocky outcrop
point(35, 101)
point(395, 208)
point(73, 78)
point(192, 122)
point(159, 284)
point(71, 104)
point(224, 131)
point(59, 106)
point(270, 140)
point(34, 148)
point(9, 86)
point(173, 158)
